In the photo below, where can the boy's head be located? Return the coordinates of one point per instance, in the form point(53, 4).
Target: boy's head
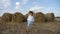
point(31, 12)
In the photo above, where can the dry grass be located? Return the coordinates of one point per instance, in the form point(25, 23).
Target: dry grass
point(20, 28)
point(57, 19)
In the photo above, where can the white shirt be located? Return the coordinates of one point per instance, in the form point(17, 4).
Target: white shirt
point(30, 18)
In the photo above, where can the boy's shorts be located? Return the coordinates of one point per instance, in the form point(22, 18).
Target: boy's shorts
point(30, 23)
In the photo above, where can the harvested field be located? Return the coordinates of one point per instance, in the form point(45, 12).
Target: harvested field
point(37, 27)
point(57, 19)
point(20, 28)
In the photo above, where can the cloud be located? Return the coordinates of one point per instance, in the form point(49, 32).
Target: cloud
point(3, 5)
point(18, 6)
point(6, 3)
point(36, 8)
point(41, 9)
point(4, 11)
point(17, 3)
point(49, 10)
point(24, 1)
point(44, 10)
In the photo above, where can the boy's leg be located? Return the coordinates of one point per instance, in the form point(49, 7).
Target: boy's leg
point(30, 25)
point(27, 28)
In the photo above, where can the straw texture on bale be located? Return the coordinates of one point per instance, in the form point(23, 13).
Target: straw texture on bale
point(7, 17)
point(0, 19)
point(50, 17)
point(39, 17)
point(26, 16)
point(17, 17)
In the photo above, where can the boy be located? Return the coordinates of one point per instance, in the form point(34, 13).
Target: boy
point(30, 19)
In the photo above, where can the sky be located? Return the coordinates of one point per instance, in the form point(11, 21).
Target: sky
point(24, 6)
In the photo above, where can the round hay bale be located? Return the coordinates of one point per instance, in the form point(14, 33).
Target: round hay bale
point(0, 19)
point(26, 16)
point(7, 17)
point(50, 17)
point(39, 17)
point(17, 17)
